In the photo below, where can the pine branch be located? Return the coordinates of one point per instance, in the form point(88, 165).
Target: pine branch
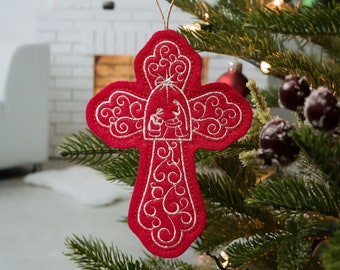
point(318, 74)
point(330, 255)
point(294, 253)
point(157, 263)
point(218, 17)
point(271, 97)
point(295, 194)
point(323, 149)
point(304, 21)
point(306, 225)
point(226, 33)
point(248, 250)
point(246, 35)
point(196, 8)
point(292, 246)
point(224, 226)
point(222, 190)
point(262, 112)
point(205, 157)
point(122, 167)
point(261, 115)
point(289, 250)
point(331, 45)
point(85, 148)
point(245, 45)
point(323, 30)
point(257, 44)
point(94, 254)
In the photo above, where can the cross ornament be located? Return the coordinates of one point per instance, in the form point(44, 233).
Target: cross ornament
point(167, 114)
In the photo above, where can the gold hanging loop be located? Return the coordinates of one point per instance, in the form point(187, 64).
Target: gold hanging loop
point(165, 20)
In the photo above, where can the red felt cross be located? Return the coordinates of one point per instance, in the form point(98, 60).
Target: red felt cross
point(167, 114)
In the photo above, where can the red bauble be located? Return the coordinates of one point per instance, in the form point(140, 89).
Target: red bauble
point(235, 78)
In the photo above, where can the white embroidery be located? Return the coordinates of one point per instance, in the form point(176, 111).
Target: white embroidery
point(213, 116)
point(122, 114)
point(167, 115)
point(167, 66)
point(167, 195)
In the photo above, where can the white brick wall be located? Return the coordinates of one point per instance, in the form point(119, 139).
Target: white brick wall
point(77, 30)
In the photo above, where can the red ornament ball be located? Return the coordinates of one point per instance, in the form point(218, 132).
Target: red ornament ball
point(322, 110)
point(276, 145)
point(235, 78)
point(293, 92)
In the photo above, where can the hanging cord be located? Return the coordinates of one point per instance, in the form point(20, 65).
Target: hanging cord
point(165, 20)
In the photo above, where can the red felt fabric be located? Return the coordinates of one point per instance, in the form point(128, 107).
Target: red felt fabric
point(167, 114)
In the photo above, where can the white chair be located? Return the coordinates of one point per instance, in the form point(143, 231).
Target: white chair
point(24, 84)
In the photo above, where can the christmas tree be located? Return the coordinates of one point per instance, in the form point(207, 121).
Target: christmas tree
point(272, 197)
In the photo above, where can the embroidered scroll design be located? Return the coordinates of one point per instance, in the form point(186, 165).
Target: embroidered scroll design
point(122, 114)
point(168, 200)
point(167, 67)
point(213, 115)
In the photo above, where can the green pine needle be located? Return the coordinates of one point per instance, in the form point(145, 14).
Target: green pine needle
point(157, 263)
point(94, 254)
point(245, 251)
point(295, 194)
point(259, 34)
point(258, 99)
point(294, 252)
point(122, 167)
point(246, 45)
point(88, 149)
point(322, 149)
point(296, 21)
point(330, 255)
point(85, 148)
point(225, 226)
point(227, 184)
point(295, 62)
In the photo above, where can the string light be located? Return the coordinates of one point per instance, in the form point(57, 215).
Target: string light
point(265, 67)
point(276, 4)
point(206, 16)
point(193, 27)
point(225, 256)
point(199, 25)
